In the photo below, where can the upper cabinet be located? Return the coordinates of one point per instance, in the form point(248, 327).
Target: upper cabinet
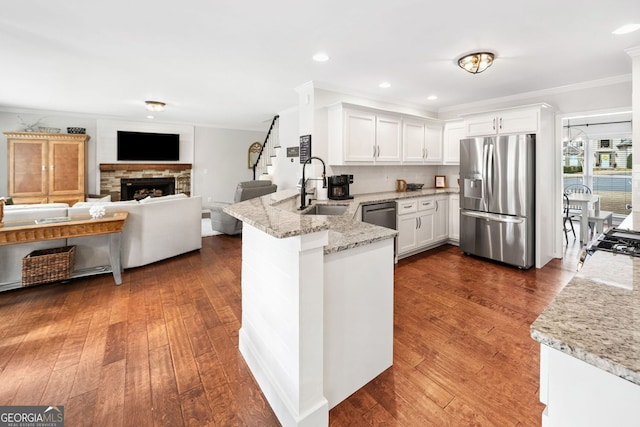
point(511, 121)
point(421, 141)
point(454, 131)
point(365, 136)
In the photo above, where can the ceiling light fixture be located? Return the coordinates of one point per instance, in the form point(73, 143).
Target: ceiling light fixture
point(321, 57)
point(626, 29)
point(385, 85)
point(476, 62)
point(432, 97)
point(155, 105)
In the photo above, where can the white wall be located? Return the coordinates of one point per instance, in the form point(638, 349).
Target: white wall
point(221, 161)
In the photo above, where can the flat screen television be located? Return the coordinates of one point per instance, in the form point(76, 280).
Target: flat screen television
point(148, 146)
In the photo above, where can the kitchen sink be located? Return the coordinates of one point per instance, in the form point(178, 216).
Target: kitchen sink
point(326, 210)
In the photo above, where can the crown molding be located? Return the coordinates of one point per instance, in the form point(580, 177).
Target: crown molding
point(633, 51)
point(538, 93)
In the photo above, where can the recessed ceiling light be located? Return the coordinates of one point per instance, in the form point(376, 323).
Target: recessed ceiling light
point(432, 97)
point(150, 117)
point(626, 29)
point(385, 85)
point(321, 57)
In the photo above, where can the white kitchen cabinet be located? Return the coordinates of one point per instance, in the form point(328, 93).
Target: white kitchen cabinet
point(359, 136)
point(441, 218)
point(508, 121)
point(454, 131)
point(422, 222)
point(363, 136)
point(388, 140)
point(454, 217)
point(421, 141)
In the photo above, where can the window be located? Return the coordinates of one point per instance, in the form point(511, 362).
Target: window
point(596, 152)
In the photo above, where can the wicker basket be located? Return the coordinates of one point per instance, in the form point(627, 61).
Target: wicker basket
point(48, 265)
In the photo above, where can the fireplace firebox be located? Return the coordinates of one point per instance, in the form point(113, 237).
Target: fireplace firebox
point(139, 188)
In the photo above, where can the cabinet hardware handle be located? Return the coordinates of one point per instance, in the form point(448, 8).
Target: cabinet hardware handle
point(378, 150)
point(494, 123)
point(374, 151)
point(426, 153)
point(500, 122)
point(436, 206)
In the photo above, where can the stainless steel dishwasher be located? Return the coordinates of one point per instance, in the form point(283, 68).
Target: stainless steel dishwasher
point(382, 214)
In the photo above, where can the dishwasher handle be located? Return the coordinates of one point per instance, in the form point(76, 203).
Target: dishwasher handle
point(372, 210)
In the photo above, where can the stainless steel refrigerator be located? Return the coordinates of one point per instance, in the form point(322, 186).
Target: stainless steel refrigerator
point(497, 198)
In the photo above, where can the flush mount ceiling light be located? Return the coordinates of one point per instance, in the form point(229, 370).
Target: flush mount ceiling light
point(432, 97)
point(385, 85)
point(476, 62)
point(155, 105)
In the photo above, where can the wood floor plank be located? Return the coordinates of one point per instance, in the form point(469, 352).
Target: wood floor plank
point(110, 399)
point(164, 391)
point(138, 409)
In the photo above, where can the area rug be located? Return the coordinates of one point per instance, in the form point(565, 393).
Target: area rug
point(206, 228)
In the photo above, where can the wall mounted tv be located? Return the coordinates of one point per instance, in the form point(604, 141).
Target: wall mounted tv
point(148, 146)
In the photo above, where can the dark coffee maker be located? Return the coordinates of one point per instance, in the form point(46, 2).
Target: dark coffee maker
point(339, 187)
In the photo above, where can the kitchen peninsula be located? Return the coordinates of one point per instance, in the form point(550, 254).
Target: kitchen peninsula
point(317, 302)
point(590, 344)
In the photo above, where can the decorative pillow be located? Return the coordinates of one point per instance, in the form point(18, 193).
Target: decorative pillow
point(163, 198)
point(93, 198)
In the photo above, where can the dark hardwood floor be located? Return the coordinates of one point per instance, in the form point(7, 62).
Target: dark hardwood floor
point(162, 349)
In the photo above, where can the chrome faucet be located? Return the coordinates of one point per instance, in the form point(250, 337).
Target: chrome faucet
point(303, 187)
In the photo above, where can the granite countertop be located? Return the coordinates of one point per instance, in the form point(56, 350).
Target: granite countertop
point(277, 214)
point(596, 317)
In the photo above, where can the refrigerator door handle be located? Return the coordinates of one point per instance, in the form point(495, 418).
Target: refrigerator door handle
point(489, 173)
point(494, 217)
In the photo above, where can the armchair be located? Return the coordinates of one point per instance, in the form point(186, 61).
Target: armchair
point(225, 223)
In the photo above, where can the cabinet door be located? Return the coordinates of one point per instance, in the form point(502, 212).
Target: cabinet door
point(481, 125)
point(407, 227)
point(453, 133)
point(426, 227)
point(433, 144)
point(441, 226)
point(360, 136)
point(66, 167)
point(388, 138)
point(454, 217)
point(413, 140)
point(27, 168)
point(518, 121)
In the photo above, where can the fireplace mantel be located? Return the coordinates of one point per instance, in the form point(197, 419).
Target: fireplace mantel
point(106, 167)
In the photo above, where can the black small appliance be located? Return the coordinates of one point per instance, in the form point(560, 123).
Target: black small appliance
point(339, 187)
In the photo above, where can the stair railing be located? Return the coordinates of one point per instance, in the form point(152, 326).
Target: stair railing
point(271, 142)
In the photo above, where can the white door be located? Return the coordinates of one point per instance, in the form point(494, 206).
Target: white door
point(442, 219)
point(453, 133)
point(425, 231)
point(407, 226)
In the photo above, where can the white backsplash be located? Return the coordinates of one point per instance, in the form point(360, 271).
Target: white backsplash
point(376, 179)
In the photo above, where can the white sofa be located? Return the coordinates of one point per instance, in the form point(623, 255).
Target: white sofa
point(156, 229)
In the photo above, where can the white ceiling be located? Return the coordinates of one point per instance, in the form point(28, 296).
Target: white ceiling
point(235, 63)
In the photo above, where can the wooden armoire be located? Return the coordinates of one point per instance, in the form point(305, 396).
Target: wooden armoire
point(46, 167)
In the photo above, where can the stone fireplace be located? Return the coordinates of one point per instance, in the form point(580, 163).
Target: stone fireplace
point(111, 175)
point(140, 188)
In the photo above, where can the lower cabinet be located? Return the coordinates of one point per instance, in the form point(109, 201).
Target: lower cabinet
point(422, 222)
point(454, 217)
